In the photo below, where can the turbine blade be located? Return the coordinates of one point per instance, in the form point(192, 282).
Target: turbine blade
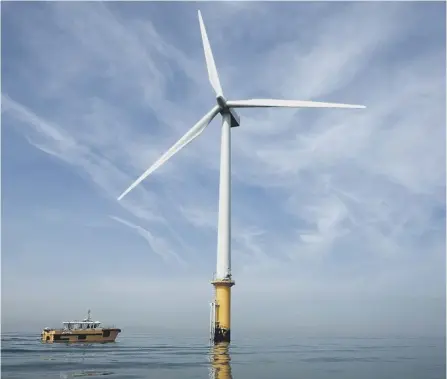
point(190, 135)
point(265, 103)
point(210, 64)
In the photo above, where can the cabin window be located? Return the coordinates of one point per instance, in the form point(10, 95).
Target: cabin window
point(106, 333)
point(82, 337)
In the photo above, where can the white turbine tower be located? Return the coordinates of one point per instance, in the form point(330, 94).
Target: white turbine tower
point(223, 281)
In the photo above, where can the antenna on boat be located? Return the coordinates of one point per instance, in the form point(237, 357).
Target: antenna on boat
point(88, 315)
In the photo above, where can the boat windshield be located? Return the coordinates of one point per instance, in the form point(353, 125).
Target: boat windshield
point(70, 325)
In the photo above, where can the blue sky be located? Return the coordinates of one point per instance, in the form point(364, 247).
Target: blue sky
point(338, 216)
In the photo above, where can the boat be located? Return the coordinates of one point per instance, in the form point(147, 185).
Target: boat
point(86, 330)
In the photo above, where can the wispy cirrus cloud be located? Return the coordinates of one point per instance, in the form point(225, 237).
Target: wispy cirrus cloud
point(156, 245)
point(346, 200)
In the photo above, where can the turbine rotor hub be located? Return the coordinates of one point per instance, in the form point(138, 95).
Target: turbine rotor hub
point(222, 102)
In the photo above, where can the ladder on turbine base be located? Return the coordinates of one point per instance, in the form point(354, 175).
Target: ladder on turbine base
point(212, 320)
point(213, 306)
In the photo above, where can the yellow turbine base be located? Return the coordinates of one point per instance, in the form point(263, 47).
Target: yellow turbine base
point(222, 324)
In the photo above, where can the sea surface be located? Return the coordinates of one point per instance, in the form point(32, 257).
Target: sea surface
point(151, 357)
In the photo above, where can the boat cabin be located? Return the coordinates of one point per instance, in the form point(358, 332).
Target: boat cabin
point(87, 323)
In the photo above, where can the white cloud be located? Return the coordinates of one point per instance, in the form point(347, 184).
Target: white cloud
point(157, 246)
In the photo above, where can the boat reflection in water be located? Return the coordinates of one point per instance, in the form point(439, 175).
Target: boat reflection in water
point(220, 361)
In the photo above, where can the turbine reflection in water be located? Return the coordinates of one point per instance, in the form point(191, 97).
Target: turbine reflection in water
point(220, 361)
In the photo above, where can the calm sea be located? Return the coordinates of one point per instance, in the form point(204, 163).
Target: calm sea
point(149, 357)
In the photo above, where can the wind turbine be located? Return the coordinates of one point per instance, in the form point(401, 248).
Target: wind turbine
point(220, 311)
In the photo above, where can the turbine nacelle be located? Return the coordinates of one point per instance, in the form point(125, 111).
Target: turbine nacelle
point(235, 119)
point(225, 109)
